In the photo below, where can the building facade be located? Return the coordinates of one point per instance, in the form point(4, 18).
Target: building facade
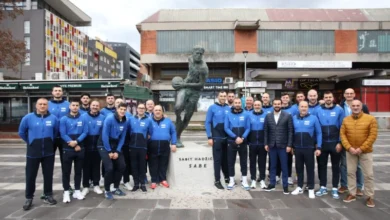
point(128, 58)
point(102, 61)
point(275, 50)
point(55, 47)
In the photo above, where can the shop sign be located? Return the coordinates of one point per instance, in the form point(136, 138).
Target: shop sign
point(215, 87)
point(105, 85)
point(376, 82)
point(9, 86)
point(214, 80)
point(315, 64)
point(252, 84)
point(308, 83)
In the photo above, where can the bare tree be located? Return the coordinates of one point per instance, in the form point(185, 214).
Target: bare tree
point(12, 51)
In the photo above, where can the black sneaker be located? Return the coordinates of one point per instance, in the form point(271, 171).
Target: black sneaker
point(227, 180)
point(135, 188)
point(143, 188)
point(270, 188)
point(218, 185)
point(285, 191)
point(27, 205)
point(50, 200)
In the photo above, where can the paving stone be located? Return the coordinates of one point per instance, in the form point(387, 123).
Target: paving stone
point(206, 214)
point(302, 201)
point(89, 202)
point(135, 203)
point(334, 203)
point(333, 214)
point(51, 212)
point(81, 213)
point(248, 204)
point(105, 203)
point(270, 214)
point(234, 214)
point(143, 214)
point(11, 206)
point(219, 204)
point(278, 204)
point(174, 214)
point(163, 204)
point(302, 214)
point(268, 195)
point(364, 213)
point(111, 213)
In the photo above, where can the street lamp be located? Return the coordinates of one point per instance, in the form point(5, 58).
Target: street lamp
point(245, 52)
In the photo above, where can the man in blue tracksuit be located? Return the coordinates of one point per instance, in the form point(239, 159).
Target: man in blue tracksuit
point(38, 130)
point(140, 128)
point(216, 135)
point(91, 168)
point(237, 127)
point(266, 105)
point(85, 99)
point(306, 128)
point(73, 129)
point(162, 141)
point(314, 105)
point(257, 153)
point(110, 144)
point(59, 107)
point(248, 104)
point(330, 117)
point(110, 108)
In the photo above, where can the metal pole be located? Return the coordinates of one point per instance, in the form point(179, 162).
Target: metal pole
point(245, 78)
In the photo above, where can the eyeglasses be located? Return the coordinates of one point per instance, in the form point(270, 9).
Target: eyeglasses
point(349, 93)
point(141, 108)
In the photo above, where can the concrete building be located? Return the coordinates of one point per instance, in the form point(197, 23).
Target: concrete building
point(128, 58)
point(55, 47)
point(284, 50)
point(102, 61)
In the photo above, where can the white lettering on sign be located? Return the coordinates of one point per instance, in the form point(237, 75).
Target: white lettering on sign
point(315, 64)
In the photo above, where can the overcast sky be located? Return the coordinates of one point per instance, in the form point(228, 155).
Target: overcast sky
point(115, 20)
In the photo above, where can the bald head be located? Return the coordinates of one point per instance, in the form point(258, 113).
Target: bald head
point(312, 95)
point(149, 105)
point(118, 101)
point(349, 95)
point(95, 106)
point(356, 107)
point(303, 108)
point(42, 106)
point(265, 98)
point(257, 106)
point(249, 102)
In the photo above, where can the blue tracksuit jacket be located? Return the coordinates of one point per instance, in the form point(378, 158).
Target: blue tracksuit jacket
point(140, 129)
point(268, 109)
point(95, 128)
point(290, 109)
point(164, 132)
point(113, 133)
point(215, 119)
point(256, 134)
point(83, 110)
point(39, 131)
point(59, 108)
point(306, 130)
point(237, 124)
point(313, 109)
point(73, 127)
point(107, 111)
point(330, 120)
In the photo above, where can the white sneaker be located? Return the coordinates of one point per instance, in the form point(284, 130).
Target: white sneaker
point(85, 191)
point(253, 185)
point(101, 182)
point(122, 181)
point(128, 186)
point(262, 184)
point(66, 197)
point(311, 194)
point(297, 191)
point(97, 190)
point(112, 189)
point(277, 180)
point(231, 185)
point(290, 181)
point(77, 195)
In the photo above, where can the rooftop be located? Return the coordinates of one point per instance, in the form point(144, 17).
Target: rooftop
point(278, 15)
point(70, 12)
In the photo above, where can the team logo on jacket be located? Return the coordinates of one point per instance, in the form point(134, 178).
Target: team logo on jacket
point(262, 120)
point(121, 128)
point(48, 123)
point(79, 123)
point(142, 124)
point(242, 118)
point(99, 123)
point(306, 122)
point(63, 109)
point(163, 126)
point(333, 114)
point(226, 111)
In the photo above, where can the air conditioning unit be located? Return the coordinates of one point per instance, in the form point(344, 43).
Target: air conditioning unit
point(228, 80)
point(57, 75)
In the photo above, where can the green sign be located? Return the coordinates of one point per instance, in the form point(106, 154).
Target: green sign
point(9, 86)
point(75, 85)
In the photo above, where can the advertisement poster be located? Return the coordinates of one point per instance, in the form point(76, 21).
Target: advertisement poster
point(131, 106)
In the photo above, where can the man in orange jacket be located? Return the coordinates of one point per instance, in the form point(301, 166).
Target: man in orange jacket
point(358, 134)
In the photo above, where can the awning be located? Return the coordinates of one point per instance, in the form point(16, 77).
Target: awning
point(137, 92)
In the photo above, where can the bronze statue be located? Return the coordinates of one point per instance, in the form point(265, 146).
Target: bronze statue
point(188, 90)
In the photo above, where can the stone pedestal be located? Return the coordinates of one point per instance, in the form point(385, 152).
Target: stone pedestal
point(191, 167)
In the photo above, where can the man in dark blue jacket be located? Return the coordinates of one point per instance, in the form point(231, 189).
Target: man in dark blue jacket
point(73, 131)
point(306, 129)
point(38, 130)
point(85, 99)
point(257, 153)
point(237, 127)
point(314, 104)
point(278, 137)
point(162, 141)
point(331, 118)
point(110, 108)
point(140, 128)
point(91, 168)
point(266, 105)
point(249, 104)
point(216, 135)
point(110, 145)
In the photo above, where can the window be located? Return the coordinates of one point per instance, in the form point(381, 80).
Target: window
point(27, 60)
point(26, 27)
point(108, 61)
point(27, 42)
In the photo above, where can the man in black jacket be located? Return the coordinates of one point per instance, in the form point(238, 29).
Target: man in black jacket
point(278, 138)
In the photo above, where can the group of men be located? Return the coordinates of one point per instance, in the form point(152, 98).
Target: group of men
point(91, 138)
point(308, 129)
